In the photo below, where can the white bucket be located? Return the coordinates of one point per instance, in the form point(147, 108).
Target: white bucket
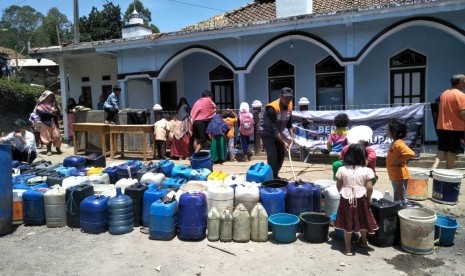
point(417, 230)
point(446, 186)
point(332, 198)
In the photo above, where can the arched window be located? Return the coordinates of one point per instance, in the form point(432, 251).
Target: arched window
point(280, 74)
point(407, 78)
point(330, 84)
point(222, 87)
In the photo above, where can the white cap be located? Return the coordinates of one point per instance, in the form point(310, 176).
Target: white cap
point(257, 104)
point(157, 107)
point(304, 101)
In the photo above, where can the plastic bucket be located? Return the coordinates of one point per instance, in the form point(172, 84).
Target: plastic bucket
point(445, 229)
point(417, 185)
point(417, 230)
point(284, 227)
point(446, 186)
point(202, 160)
point(315, 227)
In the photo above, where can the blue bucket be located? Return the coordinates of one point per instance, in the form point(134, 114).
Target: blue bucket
point(445, 229)
point(284, 227)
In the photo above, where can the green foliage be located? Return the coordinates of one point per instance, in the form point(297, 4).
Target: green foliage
point(54, 24)
point(101, 25)
point(18, 98)
point(144, 13)
point(21, 23)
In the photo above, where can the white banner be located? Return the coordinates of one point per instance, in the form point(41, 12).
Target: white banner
point(321, 123)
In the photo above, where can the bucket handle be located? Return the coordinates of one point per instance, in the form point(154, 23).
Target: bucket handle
point(421, 218)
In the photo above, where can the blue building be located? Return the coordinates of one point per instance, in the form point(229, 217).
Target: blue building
point(338, 54)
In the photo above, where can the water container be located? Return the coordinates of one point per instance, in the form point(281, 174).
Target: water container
point(220, 197)
point(112, 173)
point(94, 214)
point(101, 178)
point(79, 162)
point(248, 195)
point(34, 207)
point(18, 210)
point(166, 167)
point(315, 227)
point(446, 186)
point(191, 186)
point(385, 213)
point(104, 189)
point(55, 178)
point(235, 179)
point(36, 180)
point(152, 178)
point(94, 170)
point(55, 211)
point(22, 179)
point(332, 198)
point(173, 184)
point(241, 224)
point(74, 196)
point(226, 226)
point(136, 193)
point(417, 185)
point(79, 172)
point(128, 169)
point(200, 174)
point(181, 170)
point(284, 227)
point(192, 215)
point(95, 160)
point(259, 172)
point(202, 160)
point(299, 198)
point(120, 214)
point(66, 171)
point(48, 166)
point(218, 175)
point(445, 230)
point(273, 199)
point(213, 225)
point(258, 224)
point(152, 194)
point(163, 220)
point(15, 164)
point(417, 230)
point(73, 181)
point(30, 187)
point(123, 183)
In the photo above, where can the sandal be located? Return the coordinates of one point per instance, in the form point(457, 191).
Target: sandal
point(348, 253)
point(364, 245)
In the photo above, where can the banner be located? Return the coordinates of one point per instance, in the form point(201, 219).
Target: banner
point(315, 134)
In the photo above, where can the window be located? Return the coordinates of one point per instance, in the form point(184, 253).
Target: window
point(407, 78)
point(85, 79)
point(106, 78)
point(330, 85)
point(222, 87)
point(280, 74)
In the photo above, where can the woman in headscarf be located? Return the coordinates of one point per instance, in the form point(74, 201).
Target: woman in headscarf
point(181, 135)
point(49, 113)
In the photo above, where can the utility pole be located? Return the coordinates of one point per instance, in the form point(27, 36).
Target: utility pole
point(76, 22)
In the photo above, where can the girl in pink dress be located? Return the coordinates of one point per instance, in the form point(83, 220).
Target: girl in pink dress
point(354, 183)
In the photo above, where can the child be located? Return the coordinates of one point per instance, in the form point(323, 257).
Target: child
point(161, 133)
point(354, 185)
point(397, 157)
point(35, 120)
point(170, 125)
point(216, 129)
point(246, 128)
point(230, 118)
point(337, 138)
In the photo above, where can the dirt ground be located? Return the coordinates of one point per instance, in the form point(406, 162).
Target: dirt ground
point(38, 250)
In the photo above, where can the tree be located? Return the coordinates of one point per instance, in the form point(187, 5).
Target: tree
point(54, 28)
point(20, 23)
point(101, 25)
point(144, 13)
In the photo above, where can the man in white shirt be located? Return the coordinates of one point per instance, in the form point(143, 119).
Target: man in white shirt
point(23, 141)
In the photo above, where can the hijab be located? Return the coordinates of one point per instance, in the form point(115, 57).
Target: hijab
point(43, 104)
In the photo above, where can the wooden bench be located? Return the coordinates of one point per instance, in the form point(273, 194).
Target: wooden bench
point(143, 130)
point(102, 129)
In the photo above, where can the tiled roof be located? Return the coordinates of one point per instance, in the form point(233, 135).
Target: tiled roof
point(265, 10)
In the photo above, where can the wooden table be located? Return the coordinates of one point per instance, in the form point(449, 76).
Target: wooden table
point(136, 129)
point(103, 129)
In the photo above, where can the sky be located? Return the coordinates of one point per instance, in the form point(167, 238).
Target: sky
point(167, 15)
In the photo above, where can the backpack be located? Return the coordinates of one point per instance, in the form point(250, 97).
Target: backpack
point(247, 123)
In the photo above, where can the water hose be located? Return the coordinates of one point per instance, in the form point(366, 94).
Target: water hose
point(290, 160)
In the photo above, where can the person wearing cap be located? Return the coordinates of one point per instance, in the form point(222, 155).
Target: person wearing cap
point(24, 143)
point(111, 106)
point(49, 113)
point(277, 118)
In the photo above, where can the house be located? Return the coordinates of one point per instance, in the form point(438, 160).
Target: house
point(37, 71)
point(340, 54)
